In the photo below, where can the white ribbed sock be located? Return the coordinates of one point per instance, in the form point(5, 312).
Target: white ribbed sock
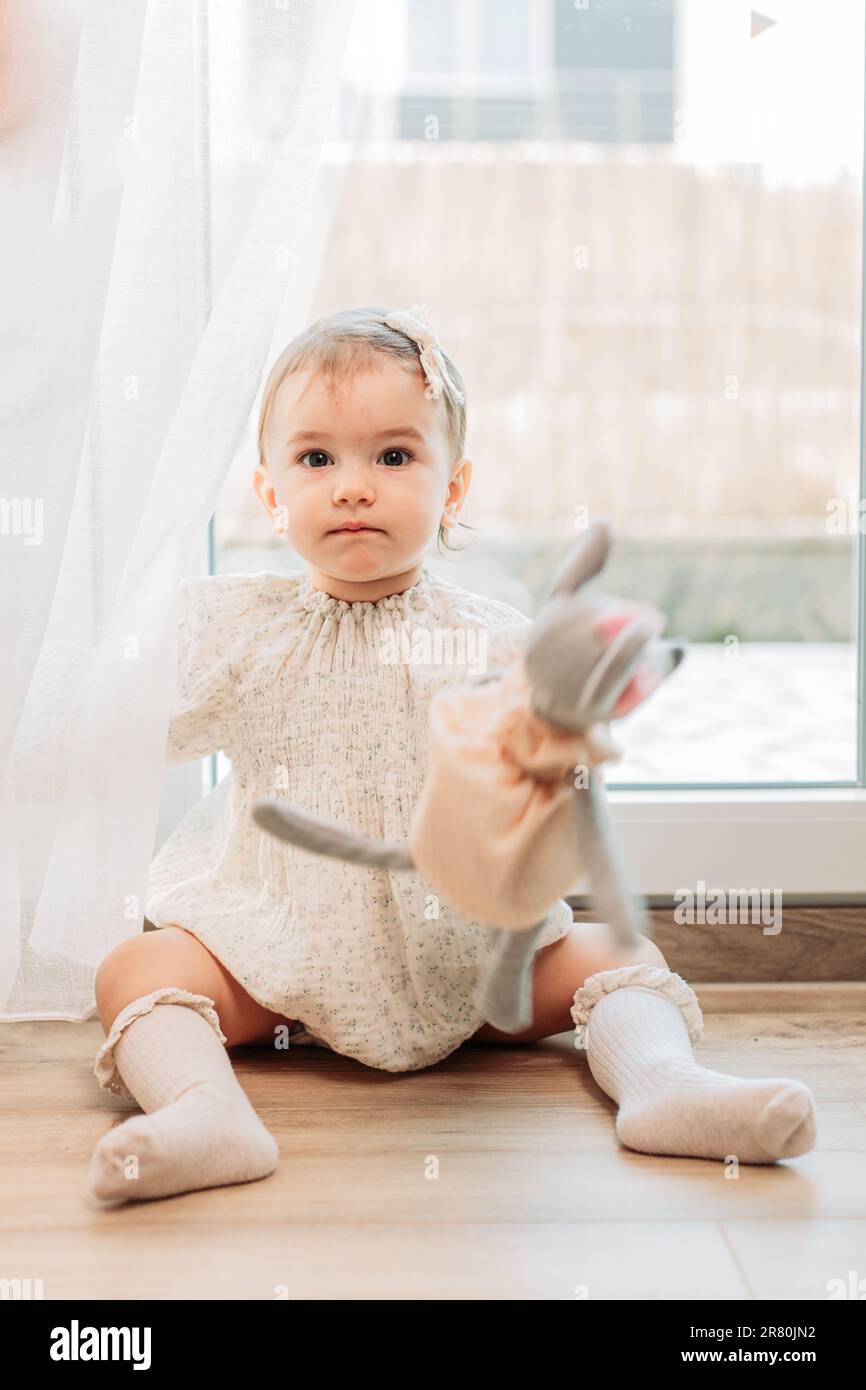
point(199, 1129)
point(638, 1024)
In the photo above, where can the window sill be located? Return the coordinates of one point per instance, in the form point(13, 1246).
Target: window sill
point(804, 841)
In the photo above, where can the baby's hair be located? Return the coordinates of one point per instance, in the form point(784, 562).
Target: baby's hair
point(348, 341)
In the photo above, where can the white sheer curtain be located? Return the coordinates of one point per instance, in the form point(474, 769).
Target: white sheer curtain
point(123, 391)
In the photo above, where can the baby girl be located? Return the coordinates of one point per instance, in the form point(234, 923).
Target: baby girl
point(361, 438)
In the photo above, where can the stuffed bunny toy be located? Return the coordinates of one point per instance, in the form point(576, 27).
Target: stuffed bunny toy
point(511, 813)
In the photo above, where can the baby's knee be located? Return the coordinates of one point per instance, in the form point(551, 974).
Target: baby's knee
point(591, 948)
point(152, 960)
point(647, 953)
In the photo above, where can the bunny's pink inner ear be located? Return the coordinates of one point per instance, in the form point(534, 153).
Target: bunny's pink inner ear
point(607, 626)
point(642, 684)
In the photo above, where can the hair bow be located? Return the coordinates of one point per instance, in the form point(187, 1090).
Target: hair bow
point(416, 325)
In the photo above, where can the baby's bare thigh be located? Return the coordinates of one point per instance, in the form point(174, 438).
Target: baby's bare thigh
point(173, 956)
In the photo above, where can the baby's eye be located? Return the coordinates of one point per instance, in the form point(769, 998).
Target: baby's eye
point(314, 453)
point(388, 452)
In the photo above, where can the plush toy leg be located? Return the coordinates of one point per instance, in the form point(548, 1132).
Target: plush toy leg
point(613, 897)
point(165, 1051)
point(637, 1024)
point(507, 998)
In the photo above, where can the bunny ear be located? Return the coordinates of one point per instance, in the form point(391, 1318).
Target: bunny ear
point(642, 684)
point(657, 661)
point(587, 556)
point(619, 662)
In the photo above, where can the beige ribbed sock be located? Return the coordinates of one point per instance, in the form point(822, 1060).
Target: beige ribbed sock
point(638, 1024)
point(199, 1129)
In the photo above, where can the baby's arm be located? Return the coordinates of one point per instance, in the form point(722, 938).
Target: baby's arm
point(204, 703)
point(504, 641)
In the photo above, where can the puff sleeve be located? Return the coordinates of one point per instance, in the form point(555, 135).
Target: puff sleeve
point(203, 708)
point(506, 639)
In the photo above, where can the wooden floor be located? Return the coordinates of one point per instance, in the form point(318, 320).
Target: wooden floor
point(495, 1174)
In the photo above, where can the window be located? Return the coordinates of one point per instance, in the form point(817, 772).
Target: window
point(614, 67)
point(644, 248)
point(432, 37)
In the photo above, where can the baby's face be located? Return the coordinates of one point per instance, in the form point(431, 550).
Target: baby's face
point(372, 450)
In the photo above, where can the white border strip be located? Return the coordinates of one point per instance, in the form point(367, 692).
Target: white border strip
point(805, 843)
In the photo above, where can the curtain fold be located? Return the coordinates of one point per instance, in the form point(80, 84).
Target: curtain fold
point(124, 393)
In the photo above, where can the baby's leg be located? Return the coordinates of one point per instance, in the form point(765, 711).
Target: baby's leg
point(174, 956)
point(558, 971)
point(167, 1006)
point(638, 1020)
